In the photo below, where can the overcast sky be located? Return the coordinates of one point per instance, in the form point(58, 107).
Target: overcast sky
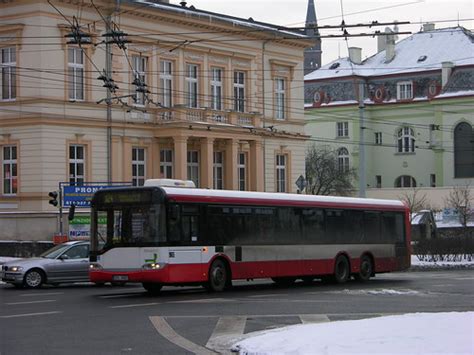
point(444, 13)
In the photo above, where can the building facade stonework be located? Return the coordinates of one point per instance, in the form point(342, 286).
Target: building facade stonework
point(195, 95)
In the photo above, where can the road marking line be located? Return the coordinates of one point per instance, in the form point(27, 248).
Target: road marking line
point(119, 295)
point(228, 328)
point(205, 300)
point(31, 314)
point(29, 302)
point(41, 294)
point(165, 330)
point(135, 305)
point(314, 318)
point(272, 295)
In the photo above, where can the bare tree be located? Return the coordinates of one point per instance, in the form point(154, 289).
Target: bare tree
point(461, 199)
point(415, 200)
point(324, 175)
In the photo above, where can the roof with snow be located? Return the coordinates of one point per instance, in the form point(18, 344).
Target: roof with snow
point(423, 51)
point(192, 12)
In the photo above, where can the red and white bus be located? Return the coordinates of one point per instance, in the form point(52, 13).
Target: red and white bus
point(177, 236)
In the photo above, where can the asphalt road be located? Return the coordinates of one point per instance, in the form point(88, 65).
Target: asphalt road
point(86, 319)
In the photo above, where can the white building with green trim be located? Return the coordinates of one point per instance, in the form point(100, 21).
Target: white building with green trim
point(412, 107)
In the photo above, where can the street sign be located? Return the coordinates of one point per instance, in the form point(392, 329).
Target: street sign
point(301, 183)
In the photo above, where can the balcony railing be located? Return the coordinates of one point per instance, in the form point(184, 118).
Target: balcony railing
point(181, 113)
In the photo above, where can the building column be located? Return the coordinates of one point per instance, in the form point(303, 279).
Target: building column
point(207, 161)
point(180, 158)
point(230, 165)
point(117, 152)
point(127, 159)
point(256, 166)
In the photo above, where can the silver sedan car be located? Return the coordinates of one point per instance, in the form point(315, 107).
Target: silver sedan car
point(67, 262)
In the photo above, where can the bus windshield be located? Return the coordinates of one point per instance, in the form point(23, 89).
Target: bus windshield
point(127, 226)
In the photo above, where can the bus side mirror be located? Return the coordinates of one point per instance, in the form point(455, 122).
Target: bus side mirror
point(173, 212)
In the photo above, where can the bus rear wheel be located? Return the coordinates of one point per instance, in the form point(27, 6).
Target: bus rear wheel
point(365, 270)
point(218, 276)
point(152, 288)
point(341, 270)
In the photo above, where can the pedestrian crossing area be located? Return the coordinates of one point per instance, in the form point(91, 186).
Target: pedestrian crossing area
point(224, 331)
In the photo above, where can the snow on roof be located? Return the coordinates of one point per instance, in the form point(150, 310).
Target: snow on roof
point(454, 45)
point(212, 16)
point(282, 197)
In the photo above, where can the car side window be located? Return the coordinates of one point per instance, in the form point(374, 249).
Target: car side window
point(77, 252)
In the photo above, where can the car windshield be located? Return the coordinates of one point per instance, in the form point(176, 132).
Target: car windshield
point(54, 252)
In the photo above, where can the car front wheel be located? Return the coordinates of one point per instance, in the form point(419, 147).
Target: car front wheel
point(34, 278)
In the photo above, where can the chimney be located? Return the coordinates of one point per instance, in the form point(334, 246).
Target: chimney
point(428, 27)
point(390, 48)
point(355, 55)
point(446, 69)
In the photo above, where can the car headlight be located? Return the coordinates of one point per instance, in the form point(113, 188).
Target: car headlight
point(15, 268)
point(153, 266)
point(95, 266)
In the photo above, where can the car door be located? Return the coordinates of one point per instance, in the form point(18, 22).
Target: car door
point(72, 265)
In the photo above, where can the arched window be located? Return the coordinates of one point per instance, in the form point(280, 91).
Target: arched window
point(463, 151)
point(405, 181)
point(343, 159)
point(406, 140)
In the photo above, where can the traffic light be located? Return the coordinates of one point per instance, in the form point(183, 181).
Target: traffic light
point(72, 209)
point(53, 198)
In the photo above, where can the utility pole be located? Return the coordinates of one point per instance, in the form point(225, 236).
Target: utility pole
point(108, 101)
point(362, 179)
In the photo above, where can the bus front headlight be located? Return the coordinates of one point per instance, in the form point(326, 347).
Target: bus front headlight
point(95, 267)
point(152, 266)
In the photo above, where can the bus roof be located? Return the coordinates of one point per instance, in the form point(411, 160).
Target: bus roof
point(268, 198)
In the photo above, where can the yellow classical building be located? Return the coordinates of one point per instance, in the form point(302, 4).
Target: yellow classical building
point(111, 91)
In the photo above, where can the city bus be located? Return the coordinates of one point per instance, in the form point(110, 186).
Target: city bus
point(156, 236)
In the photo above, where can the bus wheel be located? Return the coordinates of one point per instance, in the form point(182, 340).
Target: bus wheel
point(366, 269)
point(341, 270)
point(152, 288)
point(218, 276)
point(284, 281)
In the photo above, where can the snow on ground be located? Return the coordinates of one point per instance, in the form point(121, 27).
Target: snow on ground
point(417, 333)
point(418, 264)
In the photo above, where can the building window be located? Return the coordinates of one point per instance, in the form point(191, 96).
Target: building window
point(192, 85)
point(433, 180)
point(139, 65)
point(241, 171)
point(138, 166)
point(281, 173)
point(342, 129)
point(216, 89)
point(75, 67)
point(405, 181)
point(10, 170)
point(406, 140)
point(405, 90)
point(239, 91)
point(8, 73)
point(343, 160)
point(463, 150)
point(193, 166)
point(378, 138)
point(76, 164)
point(218, 168)
point(280, 105)
point(378, 181)
point(166, 83)
point(166, 163)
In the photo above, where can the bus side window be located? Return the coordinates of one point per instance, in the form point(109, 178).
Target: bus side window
point(190, 229)
point(174, 223)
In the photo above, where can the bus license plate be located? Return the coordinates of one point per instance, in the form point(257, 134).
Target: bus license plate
point(120, 278)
